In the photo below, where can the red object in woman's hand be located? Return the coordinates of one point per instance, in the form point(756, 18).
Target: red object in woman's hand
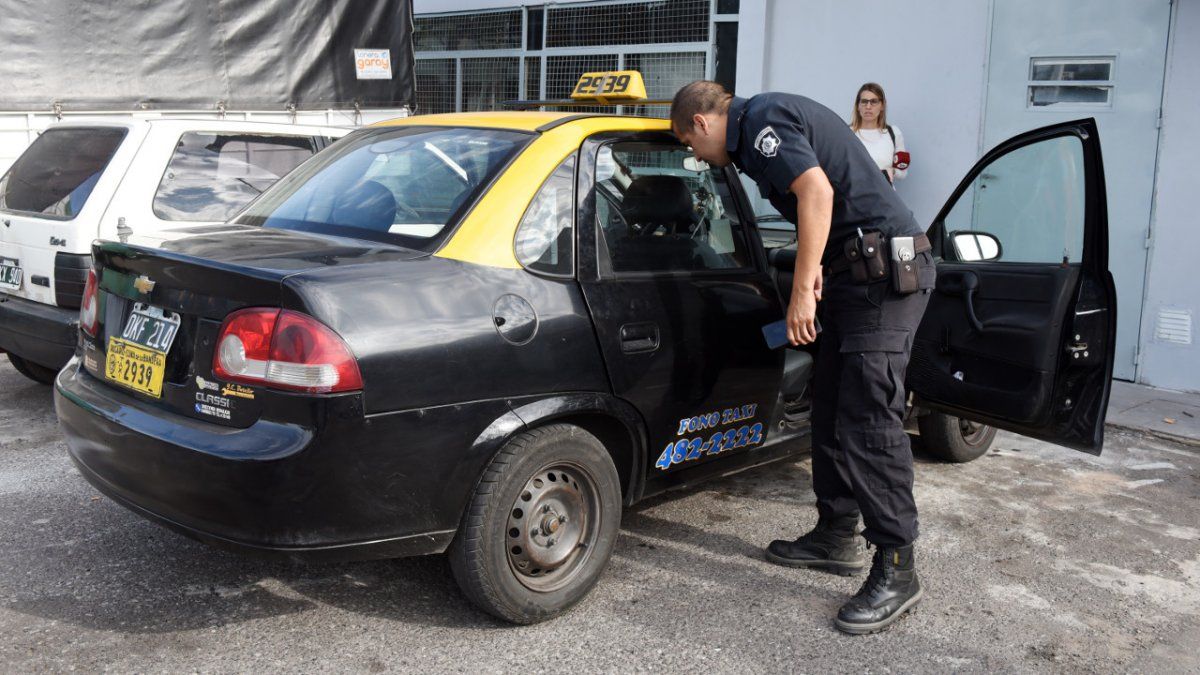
point(900, 161)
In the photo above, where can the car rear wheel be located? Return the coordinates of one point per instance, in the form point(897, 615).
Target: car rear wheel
point(541, 525)
point(39, 374)
point(954, 439)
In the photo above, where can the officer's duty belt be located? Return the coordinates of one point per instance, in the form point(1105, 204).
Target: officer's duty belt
point(841, 263)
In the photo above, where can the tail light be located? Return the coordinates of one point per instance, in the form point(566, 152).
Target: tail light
point(285, 350)
point(89, 306)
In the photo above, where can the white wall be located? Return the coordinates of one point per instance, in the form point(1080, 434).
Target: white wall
point(929, 55)
point(1173, 279)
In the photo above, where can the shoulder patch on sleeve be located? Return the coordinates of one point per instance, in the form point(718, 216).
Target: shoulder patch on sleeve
point(767, 142)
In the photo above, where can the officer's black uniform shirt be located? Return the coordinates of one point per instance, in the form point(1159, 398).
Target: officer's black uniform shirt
point(774, 137)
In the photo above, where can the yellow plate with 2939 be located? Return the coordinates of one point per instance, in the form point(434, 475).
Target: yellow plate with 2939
point(134, 366)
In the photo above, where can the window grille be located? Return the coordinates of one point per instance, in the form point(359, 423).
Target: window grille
point(477, 30)
point(486, 83)
point(533, 77)
point(627, 23)
point(476, 60)
point(664, 74)
point(562, 72)
point(435, 85)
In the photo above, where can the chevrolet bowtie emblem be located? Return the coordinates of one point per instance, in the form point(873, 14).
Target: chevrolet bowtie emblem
point(143, 284)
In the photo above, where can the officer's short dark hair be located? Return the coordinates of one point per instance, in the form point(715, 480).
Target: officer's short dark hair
point(698, 98)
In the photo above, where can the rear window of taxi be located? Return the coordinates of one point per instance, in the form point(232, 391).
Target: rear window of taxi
point(407, 185)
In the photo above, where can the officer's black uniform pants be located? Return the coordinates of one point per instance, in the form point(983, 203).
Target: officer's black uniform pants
point(862, 461)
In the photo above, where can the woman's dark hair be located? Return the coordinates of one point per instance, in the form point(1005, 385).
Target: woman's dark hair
point(856, 119)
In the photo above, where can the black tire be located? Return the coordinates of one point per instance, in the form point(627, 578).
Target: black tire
point(35, 372)
point(502, 559)
point(954, 440)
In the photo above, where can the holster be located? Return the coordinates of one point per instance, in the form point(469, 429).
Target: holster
point(868, 262)
point(906, 274)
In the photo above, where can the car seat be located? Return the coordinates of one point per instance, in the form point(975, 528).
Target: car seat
point(367, 205)
point(661, 217)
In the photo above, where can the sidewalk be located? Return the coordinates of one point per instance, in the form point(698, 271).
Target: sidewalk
point(1172, 415)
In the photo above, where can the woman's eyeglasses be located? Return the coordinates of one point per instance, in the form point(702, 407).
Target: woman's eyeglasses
point(869, 101)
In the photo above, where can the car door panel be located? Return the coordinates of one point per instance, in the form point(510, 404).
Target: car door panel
point(679, 344)
point(1024, 344)
point(1005, 368)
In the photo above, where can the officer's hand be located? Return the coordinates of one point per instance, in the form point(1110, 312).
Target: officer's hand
point(802, 318)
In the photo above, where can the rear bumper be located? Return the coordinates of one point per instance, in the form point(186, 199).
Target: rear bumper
point(344, 487)
point(43, 334)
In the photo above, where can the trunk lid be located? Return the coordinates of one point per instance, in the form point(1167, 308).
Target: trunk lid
point(194, 284)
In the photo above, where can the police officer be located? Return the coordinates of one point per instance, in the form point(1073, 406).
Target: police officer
point(811, 167)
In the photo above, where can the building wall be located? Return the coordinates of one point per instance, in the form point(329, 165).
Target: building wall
point(929, 55)
point(1172, 282)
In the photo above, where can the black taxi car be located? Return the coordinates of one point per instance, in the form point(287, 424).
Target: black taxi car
point(487, 333)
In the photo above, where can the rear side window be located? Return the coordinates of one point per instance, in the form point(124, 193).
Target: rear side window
point(212, 176)
point(659, 211)
point(56, 175)
point(544, 240)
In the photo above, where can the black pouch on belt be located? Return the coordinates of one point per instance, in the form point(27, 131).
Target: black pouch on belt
point(868, 262)
point(865, 256)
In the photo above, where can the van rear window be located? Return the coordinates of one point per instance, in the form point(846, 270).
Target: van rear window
point(55, 175)
point(212, 176)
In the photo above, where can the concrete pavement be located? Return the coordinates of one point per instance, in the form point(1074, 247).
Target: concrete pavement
point(1034, 558)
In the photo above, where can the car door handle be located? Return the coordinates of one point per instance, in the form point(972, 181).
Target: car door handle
point(639, 337)
point(963, 284)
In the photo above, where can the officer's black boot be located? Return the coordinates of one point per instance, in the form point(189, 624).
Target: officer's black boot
point(831, 546)
point(891, 590)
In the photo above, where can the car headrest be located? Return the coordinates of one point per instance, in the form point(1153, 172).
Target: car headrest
point(659, 200)
point(367, 205)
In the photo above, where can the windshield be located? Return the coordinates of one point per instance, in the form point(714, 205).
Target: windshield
point(407, 185)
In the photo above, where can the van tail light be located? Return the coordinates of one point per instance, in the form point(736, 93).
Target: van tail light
point(283, 349)
point(89, 307)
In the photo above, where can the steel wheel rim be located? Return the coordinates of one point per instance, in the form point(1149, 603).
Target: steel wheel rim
point(972, 432)
point(552, 527)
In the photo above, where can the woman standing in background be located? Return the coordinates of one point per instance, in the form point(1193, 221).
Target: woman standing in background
point(885, 143)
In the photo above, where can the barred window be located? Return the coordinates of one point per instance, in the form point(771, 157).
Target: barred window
point(478, 30)
point(435, 85)
point(486, 83)
point(664, 74)
point(627, 33)
point(562, 72)
point(533, 77)
point(627, 23)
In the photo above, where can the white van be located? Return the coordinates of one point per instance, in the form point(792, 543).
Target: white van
point(139, 181)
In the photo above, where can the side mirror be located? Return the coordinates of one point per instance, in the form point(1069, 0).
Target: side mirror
point(973, 246)
point(695, 165)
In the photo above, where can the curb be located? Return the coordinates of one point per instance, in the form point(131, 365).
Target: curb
point(1190, 441)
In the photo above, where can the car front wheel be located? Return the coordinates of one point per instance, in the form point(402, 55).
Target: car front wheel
point(541, 525)
point(954, 439)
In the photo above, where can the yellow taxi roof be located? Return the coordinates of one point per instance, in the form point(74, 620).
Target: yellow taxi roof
point(527, 120)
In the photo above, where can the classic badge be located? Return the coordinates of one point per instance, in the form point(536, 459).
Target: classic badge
point(767, 142)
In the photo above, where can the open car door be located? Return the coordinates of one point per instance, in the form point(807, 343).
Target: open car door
point(1019, 331)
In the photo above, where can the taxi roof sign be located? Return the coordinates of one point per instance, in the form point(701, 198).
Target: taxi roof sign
point(609, 87)
point(614, 85)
